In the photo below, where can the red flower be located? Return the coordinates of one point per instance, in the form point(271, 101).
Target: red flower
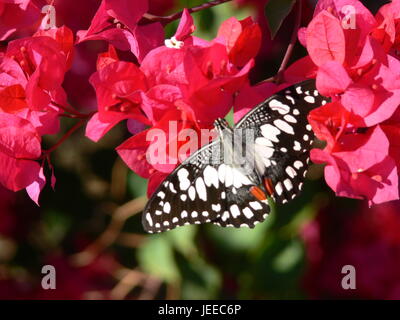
point(117, 23)
point(176, 82)
point(362, 80)
point(118, 87)
point(19, 147)
point(32, 72)
point(361, 167)
point(16, 15)
point(387, 31)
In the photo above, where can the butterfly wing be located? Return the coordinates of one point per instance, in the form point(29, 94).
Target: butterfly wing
point(204, 189)
point(242, 209)
point(283, 137)
point(191, 194)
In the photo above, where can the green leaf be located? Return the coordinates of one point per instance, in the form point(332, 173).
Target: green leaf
point(137, 185)
point(156, 257)
point(239, 239)
point(289, 257)
point(202, 281)
point(276, 11)
point(182, 239)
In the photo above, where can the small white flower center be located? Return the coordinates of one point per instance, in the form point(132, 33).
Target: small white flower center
point(173, 43)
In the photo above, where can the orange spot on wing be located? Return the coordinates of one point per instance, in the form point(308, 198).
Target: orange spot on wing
point(258, 193)
point(269, 186)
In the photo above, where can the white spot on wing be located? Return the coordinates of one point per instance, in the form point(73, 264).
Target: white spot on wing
point(284, 126)
point(270, 132)
point(235, 211)
point(149, 219)
point(216, 207)
point(167, 207)
point(279, 106)
point(221, 173)
point(290, 118)
point(228, 176)
point(192, 193)
point(264, 142)
point(239, 178)
point(291, 172)
point(172, 188)
point(184, 182)
point(290, 99)
point(297, 146)
point(201, 189)
point(309, 99)
point(255, 205)
point(278, 188)
point(248, 213)
point(298, 164)
point(161, 195)
point(288, 184)
point(211, 176)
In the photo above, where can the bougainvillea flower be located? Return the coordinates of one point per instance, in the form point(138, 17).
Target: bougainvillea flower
point(16, 14)
point(387, 31)
point(363, 169)
point(154, 159)
point(44, 63)
point(349, 49)
point(65, 38)
point(19, 147)
point(118, 87)
point(31, 98)
point(117, 23)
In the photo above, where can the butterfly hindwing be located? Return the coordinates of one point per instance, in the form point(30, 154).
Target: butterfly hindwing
point(242, 209)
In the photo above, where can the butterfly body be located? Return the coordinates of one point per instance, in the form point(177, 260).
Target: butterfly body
point(228, 181)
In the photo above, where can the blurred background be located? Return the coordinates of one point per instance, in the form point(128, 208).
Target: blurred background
point(90, 228)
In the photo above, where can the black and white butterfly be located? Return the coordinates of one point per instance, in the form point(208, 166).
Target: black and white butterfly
point(206, 188)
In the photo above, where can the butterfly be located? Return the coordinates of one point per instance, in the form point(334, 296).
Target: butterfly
point(228, 181)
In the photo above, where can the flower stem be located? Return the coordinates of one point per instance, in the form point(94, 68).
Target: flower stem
point(149, 18)
point(290, 48)
point(71, 112)
point(278, 78)
point(65, 137)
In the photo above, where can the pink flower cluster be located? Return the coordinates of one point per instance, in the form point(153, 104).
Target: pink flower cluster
point(31, 73)
point(186, 79)
point(353, 56)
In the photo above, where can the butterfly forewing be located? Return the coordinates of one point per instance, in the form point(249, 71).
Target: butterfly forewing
point(283, 137)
